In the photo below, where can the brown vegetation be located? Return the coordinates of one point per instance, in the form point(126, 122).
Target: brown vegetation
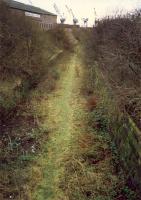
point(117, 46)
point(24, 56)
point(92, 103)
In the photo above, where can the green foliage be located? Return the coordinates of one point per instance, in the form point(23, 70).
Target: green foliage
point(100, 118)
point(25, 158)
point(129, 193)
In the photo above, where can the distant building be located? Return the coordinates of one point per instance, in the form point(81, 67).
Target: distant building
point(45, 19)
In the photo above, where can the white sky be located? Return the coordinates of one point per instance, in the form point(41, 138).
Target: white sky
point(85, 8)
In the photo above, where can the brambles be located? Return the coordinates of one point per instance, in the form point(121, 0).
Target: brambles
point(117, 45)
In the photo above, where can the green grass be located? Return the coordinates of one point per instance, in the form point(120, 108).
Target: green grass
point(59, 121)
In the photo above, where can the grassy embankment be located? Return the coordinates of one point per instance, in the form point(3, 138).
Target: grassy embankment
point(27, 58)
point(111, 94)
point(116, 47)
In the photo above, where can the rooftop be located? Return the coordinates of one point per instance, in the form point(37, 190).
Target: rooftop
point(26, 7)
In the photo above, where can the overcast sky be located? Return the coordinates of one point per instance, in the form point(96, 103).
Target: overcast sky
point(85, 8)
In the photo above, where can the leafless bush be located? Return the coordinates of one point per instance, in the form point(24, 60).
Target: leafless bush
point(117, 43)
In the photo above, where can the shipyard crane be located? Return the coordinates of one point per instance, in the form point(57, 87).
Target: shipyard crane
point(70, 11)
point(85, 20)
point(95, 16)
point(62, 18)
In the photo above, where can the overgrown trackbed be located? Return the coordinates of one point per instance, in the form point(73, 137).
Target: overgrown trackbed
point(60, 121)
point(71, 169)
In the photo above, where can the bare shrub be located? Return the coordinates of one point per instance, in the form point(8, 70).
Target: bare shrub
point(117, 44)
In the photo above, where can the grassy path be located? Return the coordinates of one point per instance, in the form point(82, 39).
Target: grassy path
point(60, 121)
point(76, 162)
